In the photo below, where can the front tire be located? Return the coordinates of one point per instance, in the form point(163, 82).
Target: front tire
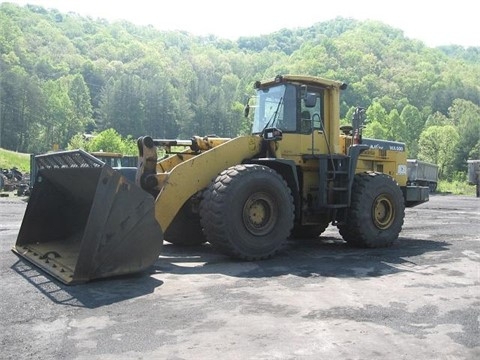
point(247, 212)
point(375, 217)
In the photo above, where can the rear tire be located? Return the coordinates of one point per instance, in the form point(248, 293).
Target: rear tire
point(375, 217)
point(185, 229)
point(247, 212)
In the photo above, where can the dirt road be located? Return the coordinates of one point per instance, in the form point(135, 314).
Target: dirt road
point(320, 299)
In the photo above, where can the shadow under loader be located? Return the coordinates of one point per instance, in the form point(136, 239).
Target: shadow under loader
point(86, 221)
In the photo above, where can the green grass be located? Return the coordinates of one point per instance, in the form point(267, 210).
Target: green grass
point(10, 159)
point(456, 188)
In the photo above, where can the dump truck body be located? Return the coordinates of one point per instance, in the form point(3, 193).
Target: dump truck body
point(473, 171)
point(422, 173)
point(474, 174)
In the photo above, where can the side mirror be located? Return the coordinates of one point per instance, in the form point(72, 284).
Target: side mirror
point(310, 100)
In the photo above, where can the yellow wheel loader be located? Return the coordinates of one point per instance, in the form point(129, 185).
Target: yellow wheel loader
point(294, 175)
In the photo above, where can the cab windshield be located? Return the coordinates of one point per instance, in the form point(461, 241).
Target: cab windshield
point(275, 107)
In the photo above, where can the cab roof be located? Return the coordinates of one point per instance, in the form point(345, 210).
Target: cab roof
point(301, 80)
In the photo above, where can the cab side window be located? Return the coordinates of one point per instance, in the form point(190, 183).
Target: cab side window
point(312, 116)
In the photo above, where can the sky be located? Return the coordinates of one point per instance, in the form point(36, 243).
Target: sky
point(434, 23)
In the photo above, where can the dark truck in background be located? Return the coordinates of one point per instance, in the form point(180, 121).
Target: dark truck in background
point(422, 173)
point(474, 174)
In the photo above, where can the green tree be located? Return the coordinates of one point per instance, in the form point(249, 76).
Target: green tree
point(414, 124)
point(437, 145)
point(438, 119)
point(376, 123)
point(21, 108)
point(80, 97)
point(78, 141)
point(58, 115)
point(108, 140)
point(475, 152)
point(161, 108)
point(376, 112)
point(398, 129)
point(466, 117)
point(122, 105)
point(67, 110)
point(375, 130)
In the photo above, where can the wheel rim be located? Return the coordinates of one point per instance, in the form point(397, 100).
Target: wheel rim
point(383, 212)
point(259, 214)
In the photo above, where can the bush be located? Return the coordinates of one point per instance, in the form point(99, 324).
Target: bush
point(108, 140)
point(456, 187)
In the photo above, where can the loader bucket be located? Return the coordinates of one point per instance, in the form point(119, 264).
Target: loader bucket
point(86, 221)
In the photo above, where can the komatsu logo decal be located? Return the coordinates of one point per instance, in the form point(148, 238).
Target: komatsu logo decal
point(384, 144)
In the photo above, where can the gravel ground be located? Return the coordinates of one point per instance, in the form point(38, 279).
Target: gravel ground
point(319, 299)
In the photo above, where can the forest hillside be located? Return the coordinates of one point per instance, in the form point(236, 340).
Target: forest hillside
point(63, 75)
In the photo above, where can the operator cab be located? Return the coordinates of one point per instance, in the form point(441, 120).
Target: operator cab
point(291, 108)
